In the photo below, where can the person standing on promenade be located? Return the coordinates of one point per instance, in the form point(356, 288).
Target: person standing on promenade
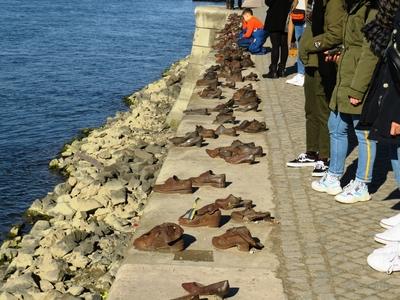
point(356, 65)
point(230, 4)
point(276, 25)
point(324, 30)
point(298, 18)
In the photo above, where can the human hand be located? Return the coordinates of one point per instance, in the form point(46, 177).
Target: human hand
point(395, 129)
point(331, 58)
point(354, 101)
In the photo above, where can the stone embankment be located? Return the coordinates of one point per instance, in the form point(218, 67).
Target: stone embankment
point(75, 249)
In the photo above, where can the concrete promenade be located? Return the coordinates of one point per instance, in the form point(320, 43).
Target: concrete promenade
point(318, 251)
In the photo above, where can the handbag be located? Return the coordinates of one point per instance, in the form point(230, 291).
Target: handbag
point(298, 15)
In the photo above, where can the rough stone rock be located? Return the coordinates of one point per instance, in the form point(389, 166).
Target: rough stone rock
point(22, 261)
point(67, 243)
point(105, 154)
point(29, 242)
point(134, 183)
point(46, 285)
point(64, 198)
point(40, 226)
point(85, 205)
point(77, 260)
point(118, 196)
point(154, 149)
point(50, 269)
point(72, 181)
point(62, 188)
point(76, 290)
point(62, 208)
point(7, 296)
point(21, 283)
point(143, 155)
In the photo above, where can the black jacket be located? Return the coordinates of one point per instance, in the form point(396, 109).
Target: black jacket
point(382, 105)
point(277, 15)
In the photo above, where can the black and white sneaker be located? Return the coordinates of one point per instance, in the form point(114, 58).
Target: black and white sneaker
point(320, 169)
point(303, 160)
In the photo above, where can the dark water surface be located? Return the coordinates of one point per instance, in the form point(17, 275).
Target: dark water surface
point(65, 65)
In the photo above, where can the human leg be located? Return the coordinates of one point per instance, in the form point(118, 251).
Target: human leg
point(298, 32)
point(284, 53)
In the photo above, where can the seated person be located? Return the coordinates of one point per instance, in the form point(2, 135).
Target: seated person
point(253, 35)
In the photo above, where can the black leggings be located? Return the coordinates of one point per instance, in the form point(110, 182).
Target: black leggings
point(279, 46)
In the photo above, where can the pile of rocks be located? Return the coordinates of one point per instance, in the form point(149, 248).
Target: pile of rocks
point(75, 250)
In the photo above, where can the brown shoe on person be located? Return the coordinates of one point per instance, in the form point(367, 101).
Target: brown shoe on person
point(232, 202)
point(166, 237)
point(209, 216)
point(209, 179)
point(240, 159)
point(250, 215)
point(206, 133)
point(222, 130)
point(174, 185)
point(220, 289)
point(239, 237)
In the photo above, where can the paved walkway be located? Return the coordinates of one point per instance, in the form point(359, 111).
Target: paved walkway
point(322, 245)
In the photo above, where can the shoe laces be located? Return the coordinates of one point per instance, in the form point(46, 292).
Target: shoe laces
point(302, 156)
point(319, 165)
point(394, 261)
point(349, 187)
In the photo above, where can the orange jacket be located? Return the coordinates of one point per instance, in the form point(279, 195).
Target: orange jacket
point(251, 25)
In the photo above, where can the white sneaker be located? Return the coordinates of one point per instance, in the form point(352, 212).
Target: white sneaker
point(297, 80)
point(391, 235)
point(355, 191)
point(390, 222)
point(386, 259)
point(329, 184)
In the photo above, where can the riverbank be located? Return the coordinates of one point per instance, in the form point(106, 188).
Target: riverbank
point(87, 221)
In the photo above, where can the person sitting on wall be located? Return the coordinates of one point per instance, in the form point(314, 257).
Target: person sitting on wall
point(253, 35)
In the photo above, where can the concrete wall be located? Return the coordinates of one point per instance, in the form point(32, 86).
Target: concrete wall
point(209, 20)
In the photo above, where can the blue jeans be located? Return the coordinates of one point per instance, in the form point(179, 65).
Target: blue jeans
point(255, 43)
point(394, 158)
point(339, 125)
point(298, 32)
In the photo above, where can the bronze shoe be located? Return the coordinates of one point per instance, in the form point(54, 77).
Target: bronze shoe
point(232, 202)
point(192, 141)
point(206, 133)
point(221, 130)
point(209, 216)
point(166, 237)
point(240, 159)
point(174, 185)
point(246, 150)
point(236, 76)
point(240, 92)
point(211, 92)
point(239, 237)
point(223, 118)
point(250, 215)
point(210, 179)
point(230, 84)
point(242, 125)
point(207, 82)
point(223, 106)
point(247, 62)
point(220, 289)
point(251, 77)
point(255, 126)
point(213, 153)
point(237, 143)
point(249, 107)
point(198, 111)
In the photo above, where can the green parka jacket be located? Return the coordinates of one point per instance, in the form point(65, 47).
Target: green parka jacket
point(357, 62)
point(332, 36)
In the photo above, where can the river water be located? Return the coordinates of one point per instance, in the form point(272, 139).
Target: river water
point(64, 66)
